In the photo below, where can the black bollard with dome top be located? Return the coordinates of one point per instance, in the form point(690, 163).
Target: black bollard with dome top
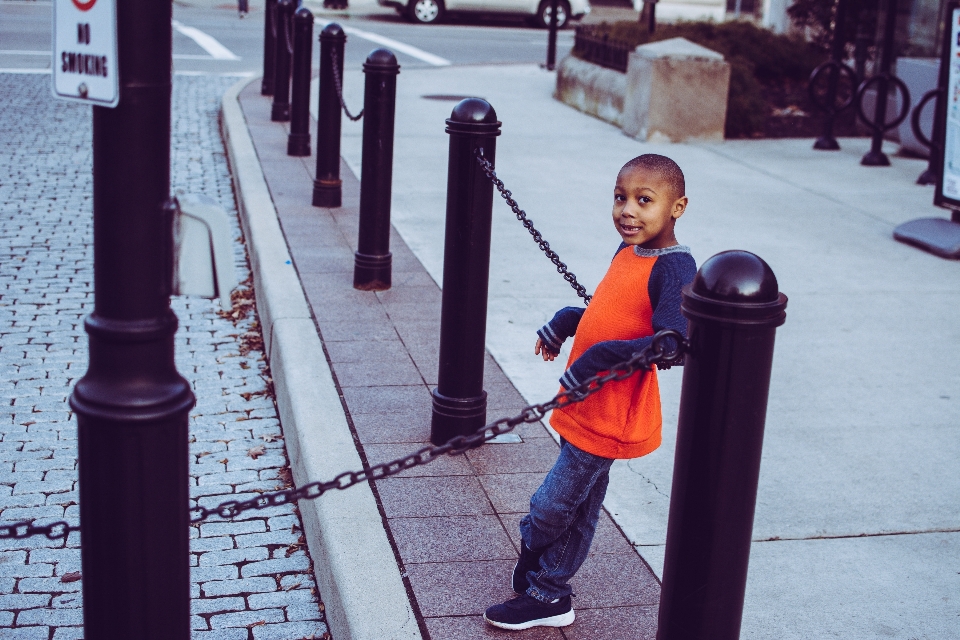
point(459, 401)
point(734, 307)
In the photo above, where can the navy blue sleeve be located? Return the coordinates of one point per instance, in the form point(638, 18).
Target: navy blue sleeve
point(565, 322)
point(669, 275)
point(563, 326)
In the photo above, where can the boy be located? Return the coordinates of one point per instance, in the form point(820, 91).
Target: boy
point(639, 296)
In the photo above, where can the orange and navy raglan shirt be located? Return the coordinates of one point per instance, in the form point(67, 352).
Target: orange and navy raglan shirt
point(639, 296)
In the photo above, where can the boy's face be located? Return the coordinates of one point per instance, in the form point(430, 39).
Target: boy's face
point(645, 208)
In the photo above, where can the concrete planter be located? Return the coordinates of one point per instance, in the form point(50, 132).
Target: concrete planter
point(674, 90)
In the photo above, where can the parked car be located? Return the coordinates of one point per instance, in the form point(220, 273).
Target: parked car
point(537, 11)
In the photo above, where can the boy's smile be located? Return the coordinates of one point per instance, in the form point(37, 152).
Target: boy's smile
point(645, 208)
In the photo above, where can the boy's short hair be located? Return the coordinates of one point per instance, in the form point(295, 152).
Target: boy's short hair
point(667, 168)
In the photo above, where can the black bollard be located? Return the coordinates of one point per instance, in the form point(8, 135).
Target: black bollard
point(372, 262)
point(327, 186)
point(281, 70)
point(132, 405)
point(836, 68)
point(269, 46)
point(876, 157)
point(651, 6)
point(298, 142)
point(459, 401)
point(552, 36)
point(734, 307)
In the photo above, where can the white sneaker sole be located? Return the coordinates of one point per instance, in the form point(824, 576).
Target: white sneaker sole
point(562, 620)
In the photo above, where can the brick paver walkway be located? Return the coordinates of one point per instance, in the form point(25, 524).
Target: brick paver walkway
point(251, 579)
point(454, 522)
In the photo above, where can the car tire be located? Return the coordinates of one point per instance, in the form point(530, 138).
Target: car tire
point(543, 14)
point(425, 11)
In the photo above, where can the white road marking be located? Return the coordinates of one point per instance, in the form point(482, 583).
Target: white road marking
point(176, 56)
point(207, 42)
point(392, 44)
point(235, 74)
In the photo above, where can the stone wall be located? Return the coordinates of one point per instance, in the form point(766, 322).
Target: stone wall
point(674, 90)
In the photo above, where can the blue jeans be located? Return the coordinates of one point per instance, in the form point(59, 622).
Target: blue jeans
point(563, 517)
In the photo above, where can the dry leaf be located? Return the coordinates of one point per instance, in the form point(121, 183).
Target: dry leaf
point(203, 453)
point(224, 461)
point(244, 365)
point(73, 576)
point(259, 623)
point(256, 451)
point(28, 423)
point(293, 586)
point(273, 437)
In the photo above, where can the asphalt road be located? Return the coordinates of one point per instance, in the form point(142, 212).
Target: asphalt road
point(199, 27)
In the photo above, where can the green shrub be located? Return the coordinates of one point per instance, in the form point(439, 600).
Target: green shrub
point(758, 59)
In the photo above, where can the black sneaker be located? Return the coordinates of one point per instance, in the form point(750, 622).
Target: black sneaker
point(529, 561)
point(524, 612)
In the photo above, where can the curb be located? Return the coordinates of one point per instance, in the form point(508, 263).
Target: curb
point(355, 567)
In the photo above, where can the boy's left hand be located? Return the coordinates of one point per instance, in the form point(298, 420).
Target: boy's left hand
point(543, 350)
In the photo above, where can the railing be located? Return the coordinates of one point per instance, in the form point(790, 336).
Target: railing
point(591, 45)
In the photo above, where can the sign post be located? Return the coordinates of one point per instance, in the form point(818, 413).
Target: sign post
point(132, 405)
point(85, 65)
point(938, 235)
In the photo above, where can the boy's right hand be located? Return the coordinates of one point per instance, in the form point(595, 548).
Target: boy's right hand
point(543, 350)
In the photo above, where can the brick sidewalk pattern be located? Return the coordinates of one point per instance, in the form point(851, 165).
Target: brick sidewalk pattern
point(454, 522)
point(250, 579)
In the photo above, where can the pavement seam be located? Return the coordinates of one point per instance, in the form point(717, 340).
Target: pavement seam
point(344, 530)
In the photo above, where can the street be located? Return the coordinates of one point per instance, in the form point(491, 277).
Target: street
point(25, 38)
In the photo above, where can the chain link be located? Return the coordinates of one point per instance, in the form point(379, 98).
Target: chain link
point(568, 275)
point(339, 84)
point(53, 531)
point(658, 351)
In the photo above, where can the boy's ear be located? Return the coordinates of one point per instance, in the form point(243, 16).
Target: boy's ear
point(679, 207)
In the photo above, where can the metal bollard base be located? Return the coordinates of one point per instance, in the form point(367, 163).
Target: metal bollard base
point(266, 87)
point(327, 193)
point(298, 144)
point(454, 417)
point(372, 273)
point(875, 159)
point(280, 112)
point(826, 143)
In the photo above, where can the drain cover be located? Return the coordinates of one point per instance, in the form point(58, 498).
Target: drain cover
point(448, 98)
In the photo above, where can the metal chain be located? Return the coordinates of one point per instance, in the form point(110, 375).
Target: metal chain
point(655, 353)
point(487, 167)
point(288, 28)
point(53, 531)
point(339, 84)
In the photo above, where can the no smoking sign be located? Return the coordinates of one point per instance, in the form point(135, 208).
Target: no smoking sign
point(85, 51)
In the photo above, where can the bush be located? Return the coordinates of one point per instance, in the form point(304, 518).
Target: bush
point(759, 60)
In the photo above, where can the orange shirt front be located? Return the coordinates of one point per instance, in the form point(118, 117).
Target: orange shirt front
point(623, 419)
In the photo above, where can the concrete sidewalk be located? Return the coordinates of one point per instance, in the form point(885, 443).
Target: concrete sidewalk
point(857, 532)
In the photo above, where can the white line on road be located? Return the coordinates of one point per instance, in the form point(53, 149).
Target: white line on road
point(19, 52)
point(37, 71)
point(395, 45)
point(209, 44)
point(235, 74)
